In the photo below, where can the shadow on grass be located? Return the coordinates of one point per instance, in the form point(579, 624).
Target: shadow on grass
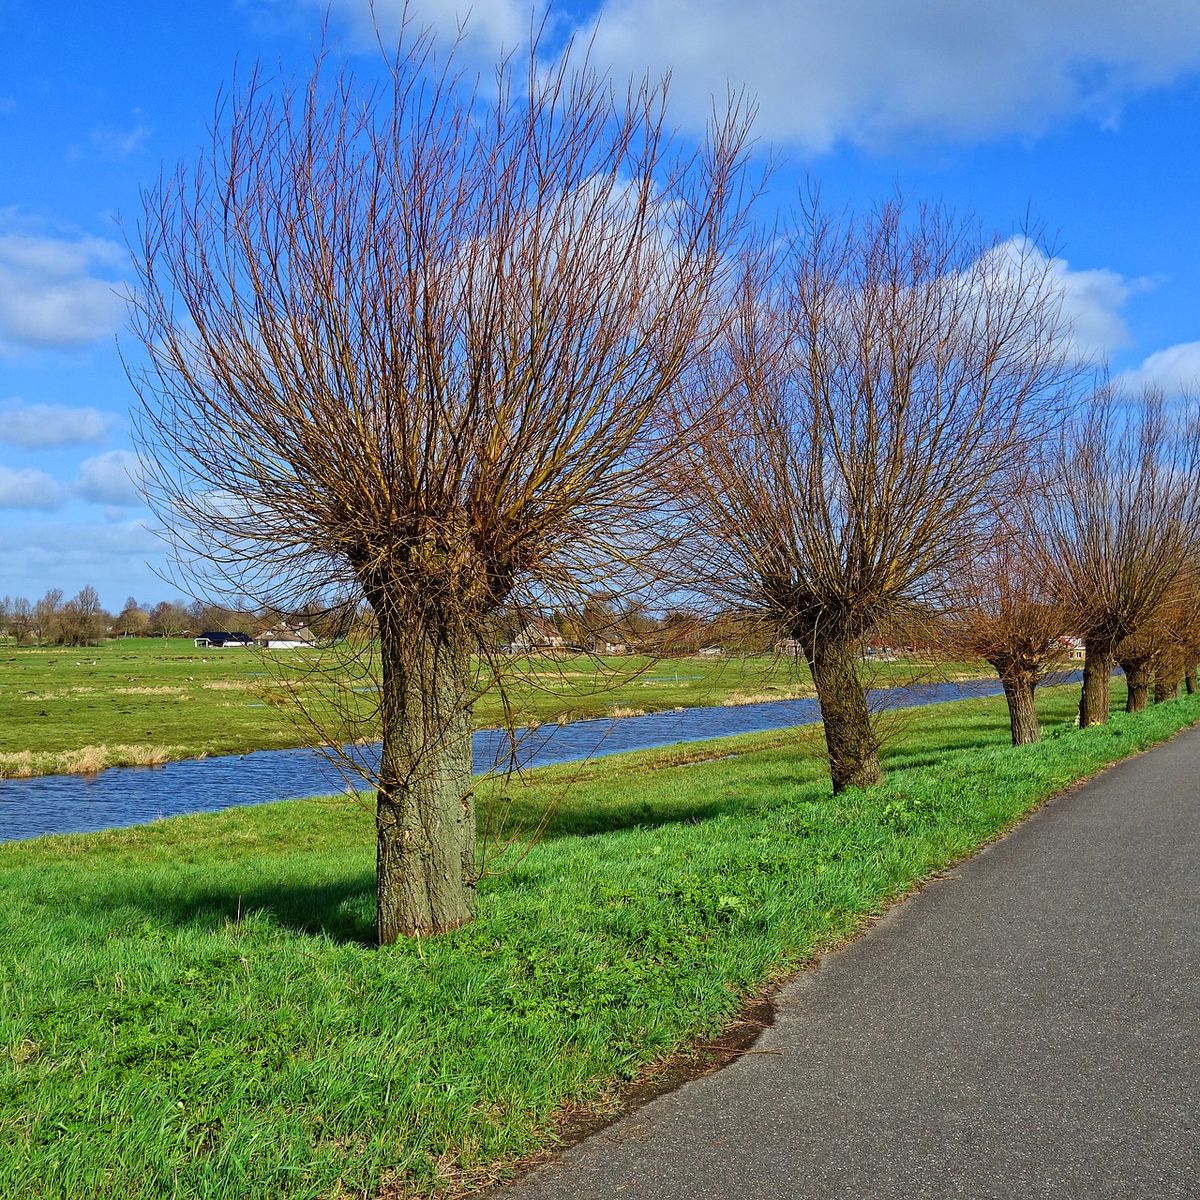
point(567, 820)
point(342, 910)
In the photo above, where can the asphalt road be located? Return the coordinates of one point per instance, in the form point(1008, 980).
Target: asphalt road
point(1028, 1026)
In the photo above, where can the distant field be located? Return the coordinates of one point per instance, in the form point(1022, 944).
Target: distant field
point(148, 700)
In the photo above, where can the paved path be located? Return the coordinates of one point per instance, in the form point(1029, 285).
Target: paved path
point(1027, 1027)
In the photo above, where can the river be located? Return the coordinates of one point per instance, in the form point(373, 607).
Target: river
point(133, 795)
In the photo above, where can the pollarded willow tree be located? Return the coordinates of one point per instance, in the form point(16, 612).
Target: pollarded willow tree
point(881, 379)
point(1163, 650)
point(1002, 611)
point(1178, 623)
point(1120, 516)
point(404, 343)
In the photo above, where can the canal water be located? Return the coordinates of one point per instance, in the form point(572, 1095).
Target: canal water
point(133, 795)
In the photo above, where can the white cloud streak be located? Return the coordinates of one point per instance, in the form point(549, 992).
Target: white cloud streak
point(28, 488)
point(1175, 369)
point(488, 28)
point(876, 74)
point(117, 142)
point(858, 71)
point(56, 292)
point(1093, 300)
point(110, 479)
point(42, 426)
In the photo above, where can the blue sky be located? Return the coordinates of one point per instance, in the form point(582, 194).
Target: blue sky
point(1082, 115)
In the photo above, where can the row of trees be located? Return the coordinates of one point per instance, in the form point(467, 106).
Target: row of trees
point(599, 619)
point(453, 354)
point(79, 621)
point(1102, 542)
point(82, 620)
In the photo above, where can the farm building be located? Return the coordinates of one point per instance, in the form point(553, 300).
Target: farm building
point(216, 639)
point(285, 637)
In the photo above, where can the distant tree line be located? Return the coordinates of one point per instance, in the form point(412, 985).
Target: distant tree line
point(82, 620)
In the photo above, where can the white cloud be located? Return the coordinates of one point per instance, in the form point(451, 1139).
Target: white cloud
point(90, 541)
point(1175, 370)
point(27, 488)
point(1093, 305)
point(874, 73)
point(54, 553)
point(56, 292)
point(1093, 299)
point(39, 426)
point(868, 72)
point(488, 27)
point(110, 479)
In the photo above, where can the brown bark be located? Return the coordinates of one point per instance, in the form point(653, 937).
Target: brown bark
point(425, 816)
point(1189, 679)
point(1097, 671)
point(1022, 713)
point(1137, 683)
point(849, 735)
point(1167, 681)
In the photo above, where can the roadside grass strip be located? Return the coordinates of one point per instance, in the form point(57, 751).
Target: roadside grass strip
point(192, 1008)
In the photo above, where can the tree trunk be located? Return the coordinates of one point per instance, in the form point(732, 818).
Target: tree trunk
point(425, 813)
point(1166, 683)
point(1022, 713)
point(849, 735)
point(1137, 683)
point(1189, 679)
point(1097, 671)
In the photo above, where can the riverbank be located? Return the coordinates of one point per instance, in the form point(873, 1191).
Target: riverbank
point(147, 701)
point(191, 1007)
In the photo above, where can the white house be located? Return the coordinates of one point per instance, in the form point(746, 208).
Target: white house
point(284, 637)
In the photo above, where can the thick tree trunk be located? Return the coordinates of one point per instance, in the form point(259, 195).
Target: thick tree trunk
point(1189, 679)
point(1022, 713)
point(425, 814)
point(849, 735)
point(1097, 671)
point(1137, 683)
point(1167, 680)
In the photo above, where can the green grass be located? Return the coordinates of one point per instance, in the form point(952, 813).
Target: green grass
point(147, 700)
point(189, 1009)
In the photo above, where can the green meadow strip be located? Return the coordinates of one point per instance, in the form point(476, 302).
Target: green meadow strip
point(192, 1008)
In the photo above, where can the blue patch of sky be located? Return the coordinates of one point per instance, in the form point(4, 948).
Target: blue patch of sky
point(96, 99)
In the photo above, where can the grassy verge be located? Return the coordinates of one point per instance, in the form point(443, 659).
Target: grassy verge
point(147, 700)
point(188, 1008)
